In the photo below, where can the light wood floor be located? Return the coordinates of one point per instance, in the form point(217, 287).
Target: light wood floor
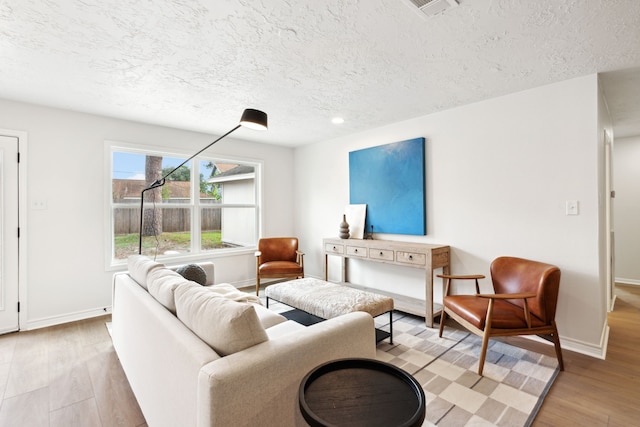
point(593, 392)
point(66, 375)
point(69, 375)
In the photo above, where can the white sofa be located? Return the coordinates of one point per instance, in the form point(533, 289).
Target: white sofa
point(180, 380)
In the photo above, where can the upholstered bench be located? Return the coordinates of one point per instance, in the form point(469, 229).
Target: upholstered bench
point(327, 300)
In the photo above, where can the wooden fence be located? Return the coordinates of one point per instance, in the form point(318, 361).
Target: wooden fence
point(127, 221)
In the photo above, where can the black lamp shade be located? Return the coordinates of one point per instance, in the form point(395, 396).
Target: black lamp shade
point(254, 119)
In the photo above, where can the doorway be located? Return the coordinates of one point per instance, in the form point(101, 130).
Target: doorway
point(627, 210)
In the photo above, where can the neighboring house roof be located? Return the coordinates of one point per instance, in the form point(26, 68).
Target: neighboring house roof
point(224, 167)
point(238, 173)
point(237, 170)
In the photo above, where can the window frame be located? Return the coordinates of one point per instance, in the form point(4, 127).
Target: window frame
point(194, 204)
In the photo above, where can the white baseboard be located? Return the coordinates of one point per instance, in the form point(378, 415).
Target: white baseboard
point(598, 352)
point(66, 318)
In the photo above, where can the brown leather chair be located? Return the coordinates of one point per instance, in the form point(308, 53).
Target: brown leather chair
point(278, 257)
point(524, 303)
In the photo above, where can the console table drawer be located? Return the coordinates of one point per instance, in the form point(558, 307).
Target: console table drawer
point(357, 251)
point(381, 254)
point(333, 249)
point(411, 258)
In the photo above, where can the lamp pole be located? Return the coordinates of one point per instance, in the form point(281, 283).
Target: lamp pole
point(254, 119)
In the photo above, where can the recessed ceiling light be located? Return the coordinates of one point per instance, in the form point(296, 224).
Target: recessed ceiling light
point(337, 120)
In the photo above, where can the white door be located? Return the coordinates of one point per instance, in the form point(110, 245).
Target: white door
point(8, 234)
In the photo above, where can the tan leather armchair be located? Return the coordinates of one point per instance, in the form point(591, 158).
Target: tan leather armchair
point(278, 257)
point(524, 303)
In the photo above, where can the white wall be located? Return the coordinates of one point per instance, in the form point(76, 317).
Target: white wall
point(66, 274)
point(498, 175)
point(626, 155)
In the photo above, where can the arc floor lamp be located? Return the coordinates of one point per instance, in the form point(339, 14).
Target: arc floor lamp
point(252, 119)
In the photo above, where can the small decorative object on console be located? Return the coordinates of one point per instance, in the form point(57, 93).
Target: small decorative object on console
point(344, 228)
point(369, 235)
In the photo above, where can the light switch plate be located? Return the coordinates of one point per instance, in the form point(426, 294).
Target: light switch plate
point(572, 207)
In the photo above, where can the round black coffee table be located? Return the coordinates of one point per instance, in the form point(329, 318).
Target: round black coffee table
point(361, 392)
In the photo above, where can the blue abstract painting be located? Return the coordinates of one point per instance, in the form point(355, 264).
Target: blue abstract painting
point(390, 180)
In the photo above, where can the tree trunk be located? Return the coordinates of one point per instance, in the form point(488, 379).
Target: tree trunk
point(152, 224)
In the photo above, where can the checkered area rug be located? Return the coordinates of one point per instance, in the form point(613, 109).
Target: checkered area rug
point(510, 393)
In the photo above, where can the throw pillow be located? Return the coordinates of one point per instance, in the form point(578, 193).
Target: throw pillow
point(162, 284)
point(139, 268)
point(193, 272)
point(226, 326)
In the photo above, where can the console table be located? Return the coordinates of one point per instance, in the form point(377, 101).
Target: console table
point(416, 255)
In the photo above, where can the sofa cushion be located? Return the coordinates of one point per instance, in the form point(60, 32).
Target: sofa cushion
point(139, 267)
point(229, 291)
point(227, 326)
point(162, 284)
point(193, 272)
point(285, 328)
point(268, 318)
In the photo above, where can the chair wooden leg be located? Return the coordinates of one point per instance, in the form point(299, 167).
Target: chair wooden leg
point(485, 338)
point(483, 352)
point(556, 343)
point(443, 317)
point(257, 285)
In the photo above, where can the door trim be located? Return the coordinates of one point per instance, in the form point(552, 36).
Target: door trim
point(22, 222)
point(609, 213)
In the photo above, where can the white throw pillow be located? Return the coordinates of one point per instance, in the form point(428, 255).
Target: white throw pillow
point(162, 284)
point(139, 267)
point(226, 326)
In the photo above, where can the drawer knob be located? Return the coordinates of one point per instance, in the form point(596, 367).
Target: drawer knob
point(334, 248)
point(380, 253)
point(410, 256)
point(356, 251)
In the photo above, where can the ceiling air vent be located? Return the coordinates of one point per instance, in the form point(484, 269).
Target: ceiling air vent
point(431, 7)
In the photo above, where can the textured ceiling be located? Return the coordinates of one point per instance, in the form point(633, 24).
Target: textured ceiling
point(196, 64)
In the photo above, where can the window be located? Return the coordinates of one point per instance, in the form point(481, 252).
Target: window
point(208, 204)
